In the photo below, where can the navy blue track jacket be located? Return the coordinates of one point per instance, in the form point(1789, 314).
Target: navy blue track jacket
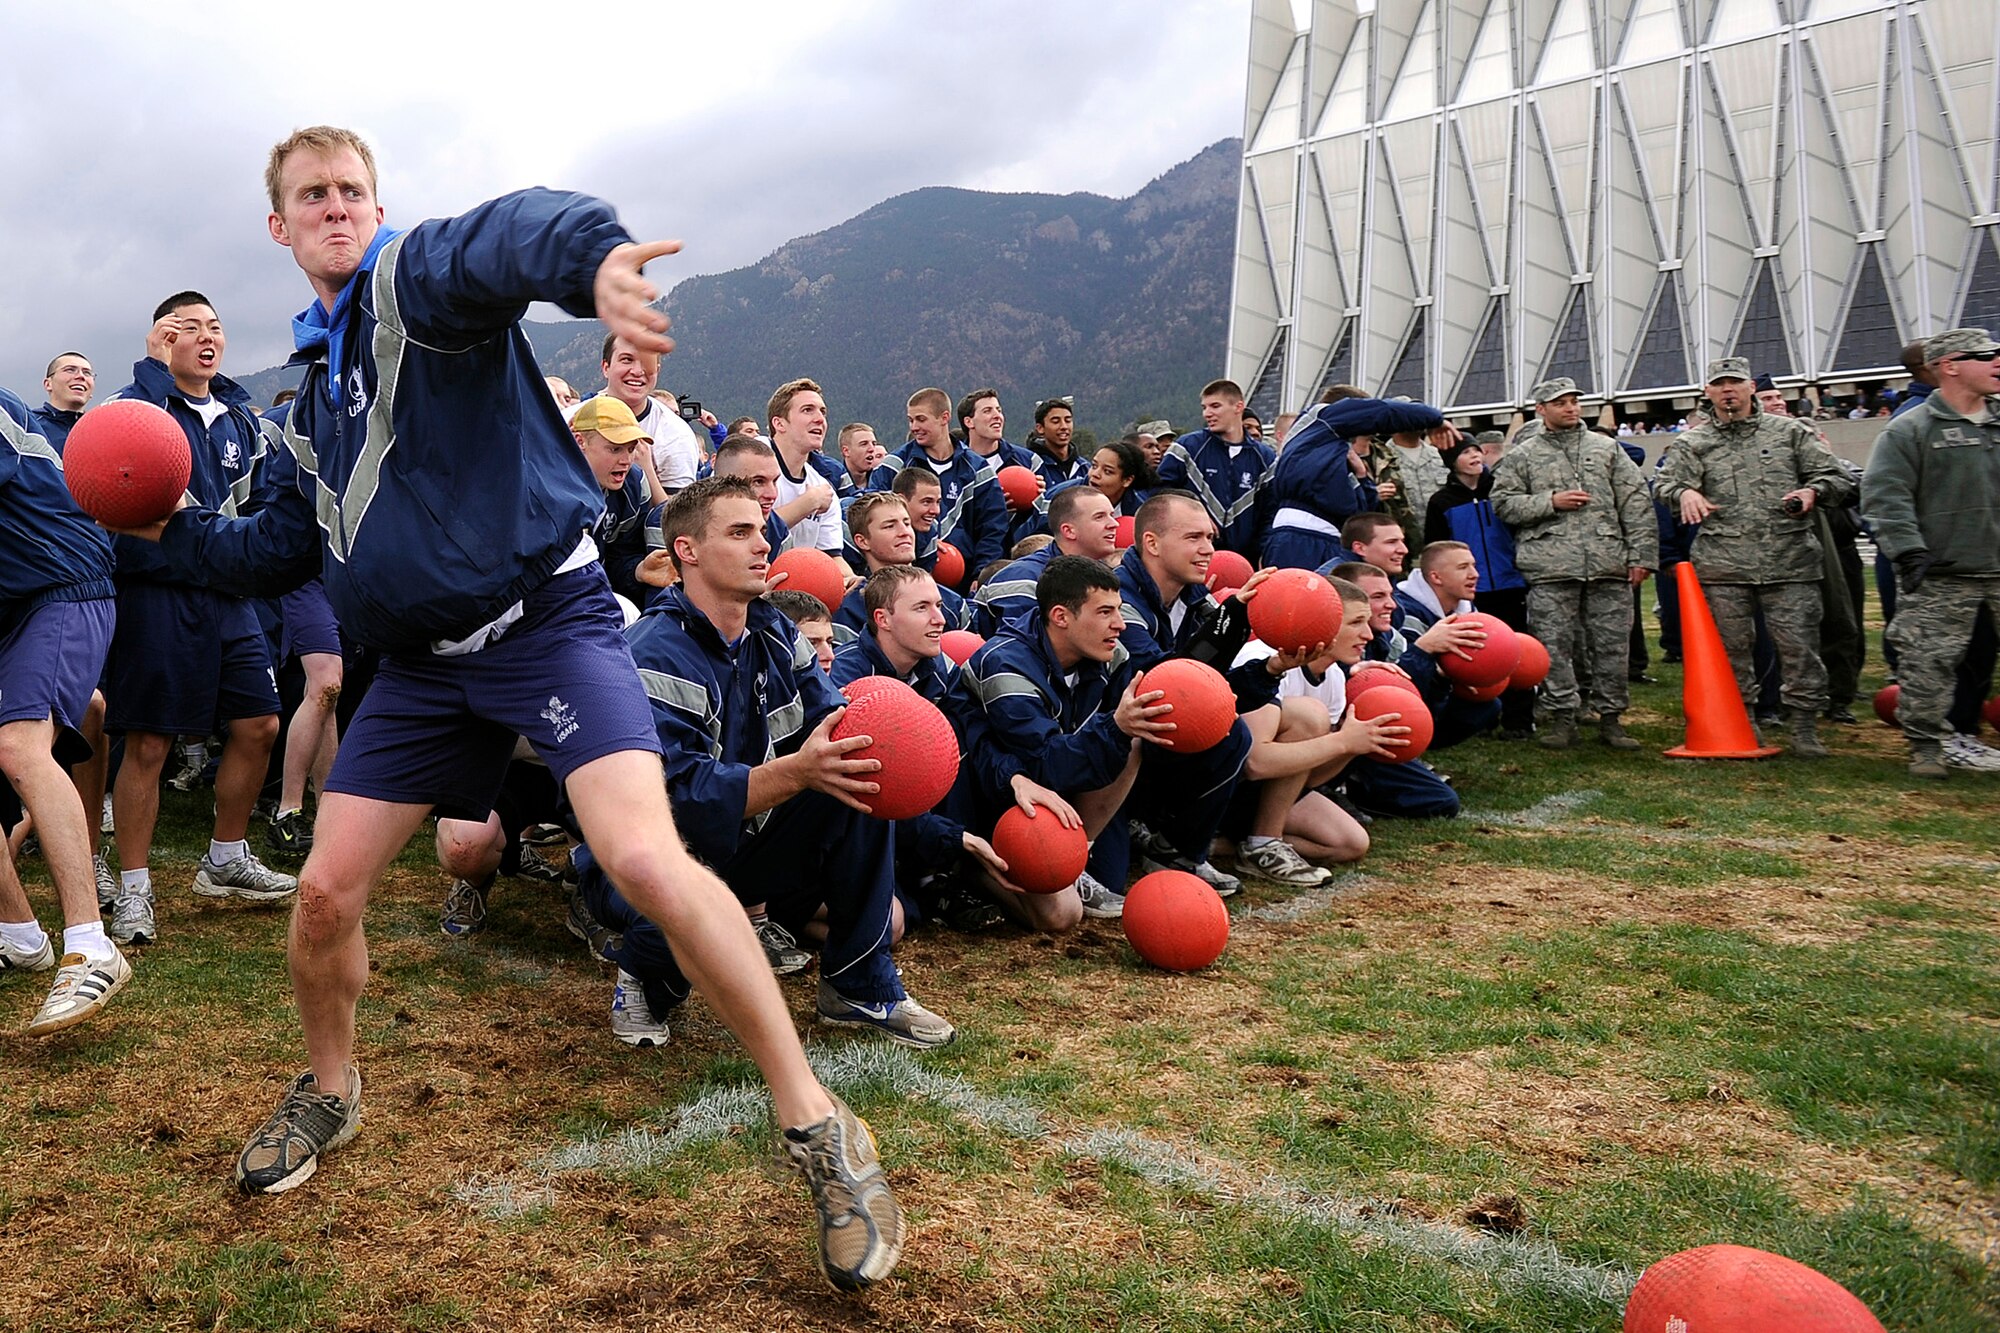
point(424, 456)
point(49, 550)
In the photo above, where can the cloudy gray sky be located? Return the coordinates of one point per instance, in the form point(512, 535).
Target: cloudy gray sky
point(132, 149)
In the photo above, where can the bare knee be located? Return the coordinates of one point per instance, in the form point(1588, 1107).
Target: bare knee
point(147, 750)
point(327, 913)
point(467, 850)
point(261, 732)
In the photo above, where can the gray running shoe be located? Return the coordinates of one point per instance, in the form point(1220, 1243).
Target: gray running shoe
point(632, 1019)
point(781, 949)
point(596, 936)
point(285, 1152)
point(194, 758)
point(1099, 901)
point(246, 877)
point(464, 909)
point(82, 988)
point(550, 867)
point(132, 917)
point(860, 1223)
point(107, 883)
point(1278, 862)
point(1225, 886)
point(1148, 843)
point(902, 1020)
point(23, 960)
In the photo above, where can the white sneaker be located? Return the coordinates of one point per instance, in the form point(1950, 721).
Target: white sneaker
point(246, 877)
point(1099, 901)
point(1962, 751)
point(1278, 862)
point(25, 960)
point(82, 988)
point(132, 917)
point(632, 1020)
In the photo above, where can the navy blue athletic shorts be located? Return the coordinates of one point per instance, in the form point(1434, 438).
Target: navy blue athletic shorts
point(50, 658)
point(306, 623)
point(440, 731)
point(184, 661)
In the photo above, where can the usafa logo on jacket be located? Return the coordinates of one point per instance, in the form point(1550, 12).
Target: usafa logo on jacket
point(357, 393)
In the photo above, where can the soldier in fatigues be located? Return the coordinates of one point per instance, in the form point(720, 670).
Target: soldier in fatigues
point(1752, 480)
point(1932, 496)
point(1584, 537)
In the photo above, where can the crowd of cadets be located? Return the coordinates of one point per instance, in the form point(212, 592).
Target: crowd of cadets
point(525, 697)
point(1554, 534)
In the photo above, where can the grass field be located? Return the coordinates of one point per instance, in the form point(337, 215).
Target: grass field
point(1622, 1007)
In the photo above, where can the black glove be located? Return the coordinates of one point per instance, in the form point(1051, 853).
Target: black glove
point(1219, 634)
point(1911, 566)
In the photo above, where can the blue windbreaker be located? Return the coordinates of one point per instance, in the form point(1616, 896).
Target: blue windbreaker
point(1312, 475)
point(49, 550)
point(54, 425)
point(974, 517)
point(225, 460)
point(1021, 714)
point(722, 709)
point(1236, 490)
point(424, 455)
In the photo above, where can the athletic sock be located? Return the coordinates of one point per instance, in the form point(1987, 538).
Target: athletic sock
point(136, 881)
point(26, 936)
point(1255, 841)
point(222, 853)
point(758, 920)
point(295, 810)
point(89, 940)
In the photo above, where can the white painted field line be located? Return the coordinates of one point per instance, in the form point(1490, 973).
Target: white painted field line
point(722, 1111)
point(1544, 813)
point(1505, 1259)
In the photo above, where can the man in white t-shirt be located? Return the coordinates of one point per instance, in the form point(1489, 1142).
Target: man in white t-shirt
point(629, 376)
point(797, 415)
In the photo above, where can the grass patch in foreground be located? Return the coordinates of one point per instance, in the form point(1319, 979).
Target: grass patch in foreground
point(1709, 1002)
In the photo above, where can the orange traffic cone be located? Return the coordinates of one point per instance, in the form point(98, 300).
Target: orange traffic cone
point(1718, 726)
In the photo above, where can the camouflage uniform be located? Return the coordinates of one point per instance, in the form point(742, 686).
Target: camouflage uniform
point(1750, 554)
point(1576, 561)
point(1932, 496)
point(1384, 465)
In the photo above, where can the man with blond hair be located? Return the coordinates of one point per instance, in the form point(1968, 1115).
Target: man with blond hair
point(487, 628)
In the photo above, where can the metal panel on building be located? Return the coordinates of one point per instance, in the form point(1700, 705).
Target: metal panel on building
point(1454, 198)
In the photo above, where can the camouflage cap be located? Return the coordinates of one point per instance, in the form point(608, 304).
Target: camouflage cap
point(1153, 428)
point(1489, 437)
point(1956, 342)
point(1728, 368)
point(1550, 390)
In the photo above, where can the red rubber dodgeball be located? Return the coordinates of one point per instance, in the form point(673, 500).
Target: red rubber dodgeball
point(1886, 700)
point(1021, 487)
point(1175, 921)
point(914, 741)
point(950, 568)
point(1041, 855)
point(1533, 668)
point(1295, 609)
point(1492, 662)
point(1227, 571)
point(126, 463)
point(814, 573)
point(1126, 531)
point(1388, 699)
point(1481, 694)
point(1735, 1289)
point(1204, 705)
point(960, 644)
point(1370, 674)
